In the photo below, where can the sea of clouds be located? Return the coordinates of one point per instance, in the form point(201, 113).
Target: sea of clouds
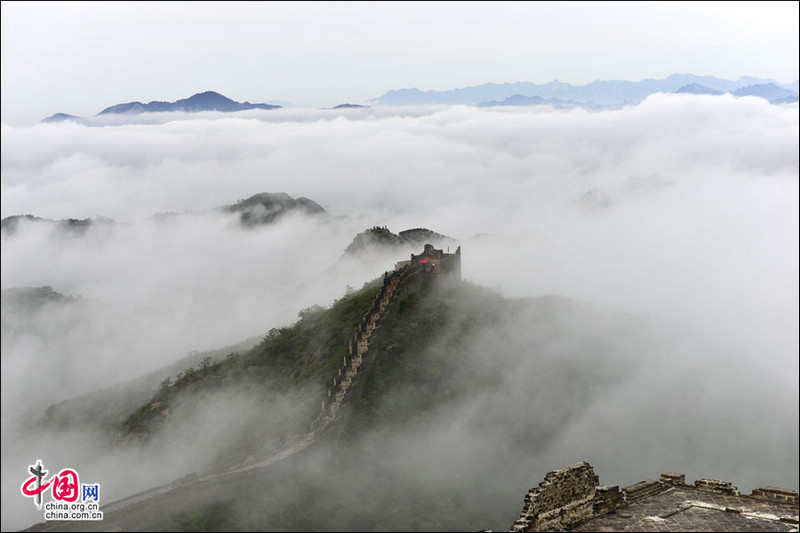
point(682, 209)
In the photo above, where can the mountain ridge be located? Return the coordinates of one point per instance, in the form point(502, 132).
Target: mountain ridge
point(602, 93)
point(199, 102)
point(205, 101)
point(597, 94)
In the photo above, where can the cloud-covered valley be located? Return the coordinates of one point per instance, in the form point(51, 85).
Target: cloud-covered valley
point(681, 211)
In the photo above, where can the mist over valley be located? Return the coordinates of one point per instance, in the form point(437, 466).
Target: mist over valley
point(178, 289)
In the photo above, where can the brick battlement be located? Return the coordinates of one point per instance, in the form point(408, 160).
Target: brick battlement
point(570, 500)
point(436, 263)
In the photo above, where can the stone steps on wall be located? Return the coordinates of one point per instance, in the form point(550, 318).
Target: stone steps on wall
point(348, 373)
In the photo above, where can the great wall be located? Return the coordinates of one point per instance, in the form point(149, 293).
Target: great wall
point(407, 277)
point(431, 266)
point(569, 499)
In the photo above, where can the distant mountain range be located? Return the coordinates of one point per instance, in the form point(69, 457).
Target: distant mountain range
point(518, 100)
point(769, 91)
point(258, 210)
point(696, 88)
point(596, 95)
point(205, 101)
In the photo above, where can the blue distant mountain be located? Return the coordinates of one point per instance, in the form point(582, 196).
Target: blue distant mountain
point(207, 101)
point(521, 100)
point(785, 100)
point(595, 95)
point(696, 88)
point(769, 91)
point(349, 106)
point(608, 93)
point(793, 86)
point(60, 117)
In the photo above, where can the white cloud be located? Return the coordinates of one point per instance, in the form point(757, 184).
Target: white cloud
point(683, 207)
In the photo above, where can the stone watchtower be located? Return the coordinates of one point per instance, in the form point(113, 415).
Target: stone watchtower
point(437, 263)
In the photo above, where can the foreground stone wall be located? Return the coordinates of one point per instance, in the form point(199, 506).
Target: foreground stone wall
point(606, 499)
point(570, 496)
point(777, 494)
point(565, 498)
point(642, 489)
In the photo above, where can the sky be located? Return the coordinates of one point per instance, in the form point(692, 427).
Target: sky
point(81, 57)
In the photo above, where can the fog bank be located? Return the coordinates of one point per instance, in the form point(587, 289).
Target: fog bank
point(682, 210)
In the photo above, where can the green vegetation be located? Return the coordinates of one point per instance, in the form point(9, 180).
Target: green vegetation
point(464, 389)
point(375, 237)
point(221, 516)
point(409, 381)
point(424, 344)
point(106, 409)
point(295, 362)
point(264, 208)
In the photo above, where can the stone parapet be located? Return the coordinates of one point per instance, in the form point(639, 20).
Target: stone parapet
point(640, 490)
point(607, 498)
point(714, 485)
point(565, 498)
point(672, 478)
point(776, 494)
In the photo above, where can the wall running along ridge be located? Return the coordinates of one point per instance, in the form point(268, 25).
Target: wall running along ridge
point(406, 278)
point(402, 281)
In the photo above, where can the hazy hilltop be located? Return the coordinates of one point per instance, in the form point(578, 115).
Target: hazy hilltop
point(61, 117)
point(265, 207)
point(696, 88)
point(205, 101)
point(768, 91)
point(259, 209)
point(66, 227)
point(382, 238)
point(28, 312)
